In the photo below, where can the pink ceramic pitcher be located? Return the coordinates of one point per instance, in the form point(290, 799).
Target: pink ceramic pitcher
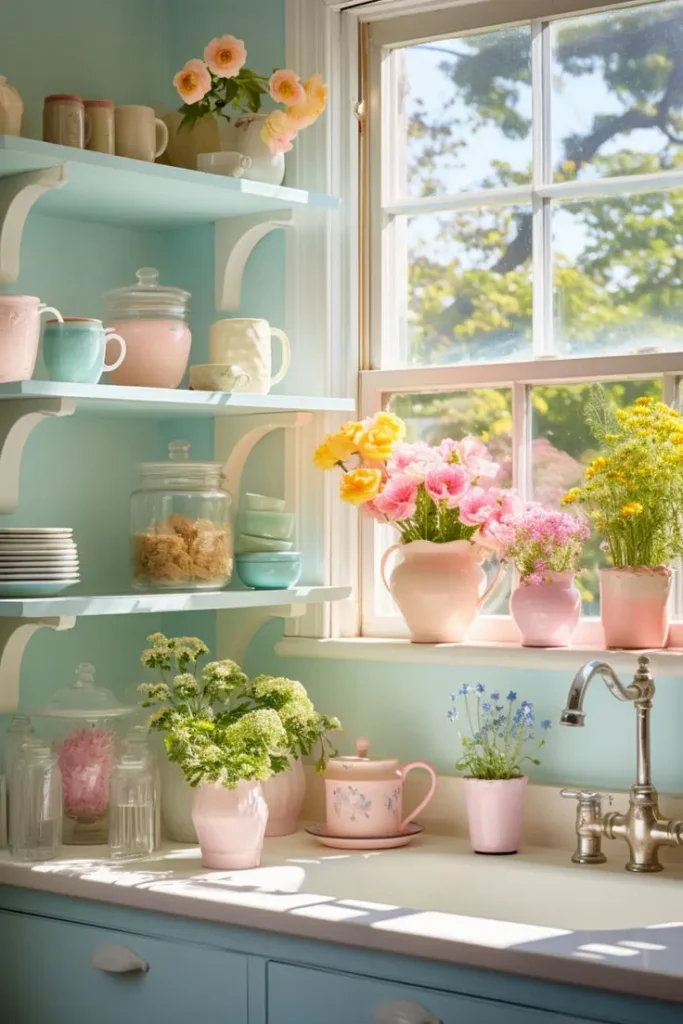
point(19, 334)
point(364, 795)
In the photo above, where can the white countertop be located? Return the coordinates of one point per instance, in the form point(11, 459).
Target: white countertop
point(536, 913)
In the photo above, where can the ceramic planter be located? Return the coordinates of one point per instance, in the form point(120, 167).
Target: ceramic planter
point(210, 134)
point(495, 814)
point(634, 606)
point(439, 588)
point(547, 613)
point(230, 824)
point(284, 794)
point(264, 165)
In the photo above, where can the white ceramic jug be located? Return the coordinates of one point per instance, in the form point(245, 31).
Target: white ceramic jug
point(246, 343)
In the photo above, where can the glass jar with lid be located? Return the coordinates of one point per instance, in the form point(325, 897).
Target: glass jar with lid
point(180, 524)
point(84, 722)
point(152, 319)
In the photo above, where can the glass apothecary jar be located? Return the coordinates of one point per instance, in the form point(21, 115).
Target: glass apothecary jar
point(180, 524)
point(85, 724)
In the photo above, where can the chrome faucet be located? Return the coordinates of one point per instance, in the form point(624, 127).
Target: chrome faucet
point(642, 826)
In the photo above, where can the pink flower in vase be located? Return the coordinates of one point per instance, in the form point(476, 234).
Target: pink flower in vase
point(398, 500)
point(225, 56)
point(285, 87)
point(478, 505)
point(413, 458)
point(446, 482)
point(474, 456)
point(498, 531)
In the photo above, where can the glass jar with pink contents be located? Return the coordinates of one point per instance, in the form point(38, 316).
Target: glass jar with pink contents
point(83, 726)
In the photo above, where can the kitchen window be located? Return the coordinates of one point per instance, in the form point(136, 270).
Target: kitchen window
point(522, 237)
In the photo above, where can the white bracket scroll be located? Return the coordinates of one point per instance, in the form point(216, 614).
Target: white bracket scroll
point(18, 417)
point(234, 637)
point(235, 240)
point(15, 633)
point(261, 424)
point(18, 193)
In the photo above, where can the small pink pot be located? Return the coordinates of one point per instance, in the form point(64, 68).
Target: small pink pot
point(230, 824)
point(547, 613)
point(157, 353)
point(495, 814)
point(19, 334)
point(284, 794)
point(634, 606)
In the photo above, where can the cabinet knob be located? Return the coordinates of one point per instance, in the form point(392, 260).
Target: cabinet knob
point(118, 960)
point(403, 1012)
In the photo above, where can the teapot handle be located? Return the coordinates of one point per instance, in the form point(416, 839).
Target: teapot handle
point(383, 564)
point(493, 585)
point(404, 769)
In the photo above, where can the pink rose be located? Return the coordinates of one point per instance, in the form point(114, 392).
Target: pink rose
point(398, 499)
point(474, 456)
point(414, 457)
point(446, 482)
point(225, 56)
point(478, 505)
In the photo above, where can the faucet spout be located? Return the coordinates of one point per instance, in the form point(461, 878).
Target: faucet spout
point(573, 714)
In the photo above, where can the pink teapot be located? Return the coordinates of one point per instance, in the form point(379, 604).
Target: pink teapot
point(364, 795)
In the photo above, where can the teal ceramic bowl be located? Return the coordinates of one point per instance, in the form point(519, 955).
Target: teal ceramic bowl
point(275, 525)
point(269, 570)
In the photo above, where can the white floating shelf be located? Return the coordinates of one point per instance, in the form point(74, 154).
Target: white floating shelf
point(116, 190)
point(191, 601)
point(156, 402)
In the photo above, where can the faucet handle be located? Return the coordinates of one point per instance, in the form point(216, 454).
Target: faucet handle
point(588, 825)
point(585, 797)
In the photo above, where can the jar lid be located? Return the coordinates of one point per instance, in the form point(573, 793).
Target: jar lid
point(83, 699)
point(179, 470)
point(64, 97)
point(361, 764)
point(109, 104)
point(147, 299)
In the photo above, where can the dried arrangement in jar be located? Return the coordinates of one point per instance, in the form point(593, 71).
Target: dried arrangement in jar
point(179, 549)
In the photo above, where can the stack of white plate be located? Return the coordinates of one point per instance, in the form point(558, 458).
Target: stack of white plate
point(37, 562)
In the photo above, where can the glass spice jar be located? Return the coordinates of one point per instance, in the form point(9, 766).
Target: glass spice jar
point(180, 524)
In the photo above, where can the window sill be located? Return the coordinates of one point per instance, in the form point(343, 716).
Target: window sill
point(667, 662)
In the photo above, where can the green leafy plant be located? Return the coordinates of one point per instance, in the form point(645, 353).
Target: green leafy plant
point(220, 726)
point(500, 736)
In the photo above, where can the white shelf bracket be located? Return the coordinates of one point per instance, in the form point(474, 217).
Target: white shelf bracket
point(14, 635)
point(235, 240)
point(260, 425)
point(234, 638)
point(18, 193)
point(17, 420)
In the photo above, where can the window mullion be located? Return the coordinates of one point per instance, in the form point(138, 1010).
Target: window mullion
point(521, 440)
point(541, 93)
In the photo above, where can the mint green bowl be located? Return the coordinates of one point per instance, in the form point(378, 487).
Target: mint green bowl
point(269, 570)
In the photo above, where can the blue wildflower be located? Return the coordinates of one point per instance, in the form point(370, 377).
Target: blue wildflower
point(526, 704)
point(452, 714)
point(479, 688)
point(463, 691)
point(486, 707)
point(495, 696)
point(454, 697)
point(546, 723)
point(511, 696)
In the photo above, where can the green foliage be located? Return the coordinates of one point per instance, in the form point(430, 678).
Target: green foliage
point(229, 97)
point(220, 726)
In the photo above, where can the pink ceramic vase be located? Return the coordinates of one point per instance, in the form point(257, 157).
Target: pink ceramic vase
point(230, 824)
point(547, 613)
point(284, 794)
point(634, 606)
point(439, 588)
point(495, 814)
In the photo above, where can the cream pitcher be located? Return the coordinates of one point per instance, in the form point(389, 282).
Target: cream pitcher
point(364, 795)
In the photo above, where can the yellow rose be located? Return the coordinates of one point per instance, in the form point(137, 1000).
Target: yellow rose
point(360, 485)
point(376, 441)
point(391, 423)
point(323, 456)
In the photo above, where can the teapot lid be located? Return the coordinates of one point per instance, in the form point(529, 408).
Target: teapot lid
point(362, 761)
point(83, 699)
point(147, 300)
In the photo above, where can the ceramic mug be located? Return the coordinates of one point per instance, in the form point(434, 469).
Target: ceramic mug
point(74, 350)
point(19, 334)
point(138, 133)
point(246, 343)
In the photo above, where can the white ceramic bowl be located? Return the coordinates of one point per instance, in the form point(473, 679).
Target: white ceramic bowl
point(247, 544)
point(218, 377)
point(261, 503)
point(276, 525)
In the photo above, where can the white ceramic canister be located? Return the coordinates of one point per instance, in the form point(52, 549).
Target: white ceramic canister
point(11, 109)
point(19, 335)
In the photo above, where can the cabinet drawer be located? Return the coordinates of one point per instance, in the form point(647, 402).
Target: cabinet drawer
point(47, 977)
point(306, 996)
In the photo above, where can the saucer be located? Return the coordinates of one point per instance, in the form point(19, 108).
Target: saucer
point(320, 833)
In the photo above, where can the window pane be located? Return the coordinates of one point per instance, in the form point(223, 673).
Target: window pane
point(617, 103)
point(465, 119)
point(618, 273)
point(486, 414)
point(562, 446)
point(469, 286)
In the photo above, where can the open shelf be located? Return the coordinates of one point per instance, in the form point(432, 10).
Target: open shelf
point(196, 600)
point(155, 402)
point(116, 190)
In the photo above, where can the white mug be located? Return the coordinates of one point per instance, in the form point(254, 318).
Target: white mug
point(138, 134)
point(246, 343)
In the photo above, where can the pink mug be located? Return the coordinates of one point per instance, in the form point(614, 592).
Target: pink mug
point(364, 795)
point(19, 335)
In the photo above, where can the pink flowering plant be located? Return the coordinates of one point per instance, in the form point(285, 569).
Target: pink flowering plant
point(541, 540)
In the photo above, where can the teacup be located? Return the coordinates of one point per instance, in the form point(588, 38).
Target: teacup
point(74, 350)
point(364, 795)
point(218, 377)
point(230, 164)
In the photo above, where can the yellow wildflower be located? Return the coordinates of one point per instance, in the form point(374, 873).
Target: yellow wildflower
point(634, 508)
point(572, 496)
point(360, 485)
point(644, 400)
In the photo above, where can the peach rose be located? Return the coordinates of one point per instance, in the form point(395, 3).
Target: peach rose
point(277, 132)
point(286, 88)
point(193, 81)
point(309, 110)
point(225, 56)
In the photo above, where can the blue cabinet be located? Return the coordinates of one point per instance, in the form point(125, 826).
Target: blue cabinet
point(57, 972)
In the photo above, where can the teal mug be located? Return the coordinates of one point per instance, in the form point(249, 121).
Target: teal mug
point(73, 351)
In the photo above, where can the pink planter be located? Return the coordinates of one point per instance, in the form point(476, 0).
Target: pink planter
point(438, 588)
point(634, 606)
point(19, 334)
point(284, 794)
point(495, 814)
point(230, 824)
point(547, 613)
point(157, 352)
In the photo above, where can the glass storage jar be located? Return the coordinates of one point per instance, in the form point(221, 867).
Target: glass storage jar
point(152, 319)
point(36, 803)
point(86, 734)
point(180, 524)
